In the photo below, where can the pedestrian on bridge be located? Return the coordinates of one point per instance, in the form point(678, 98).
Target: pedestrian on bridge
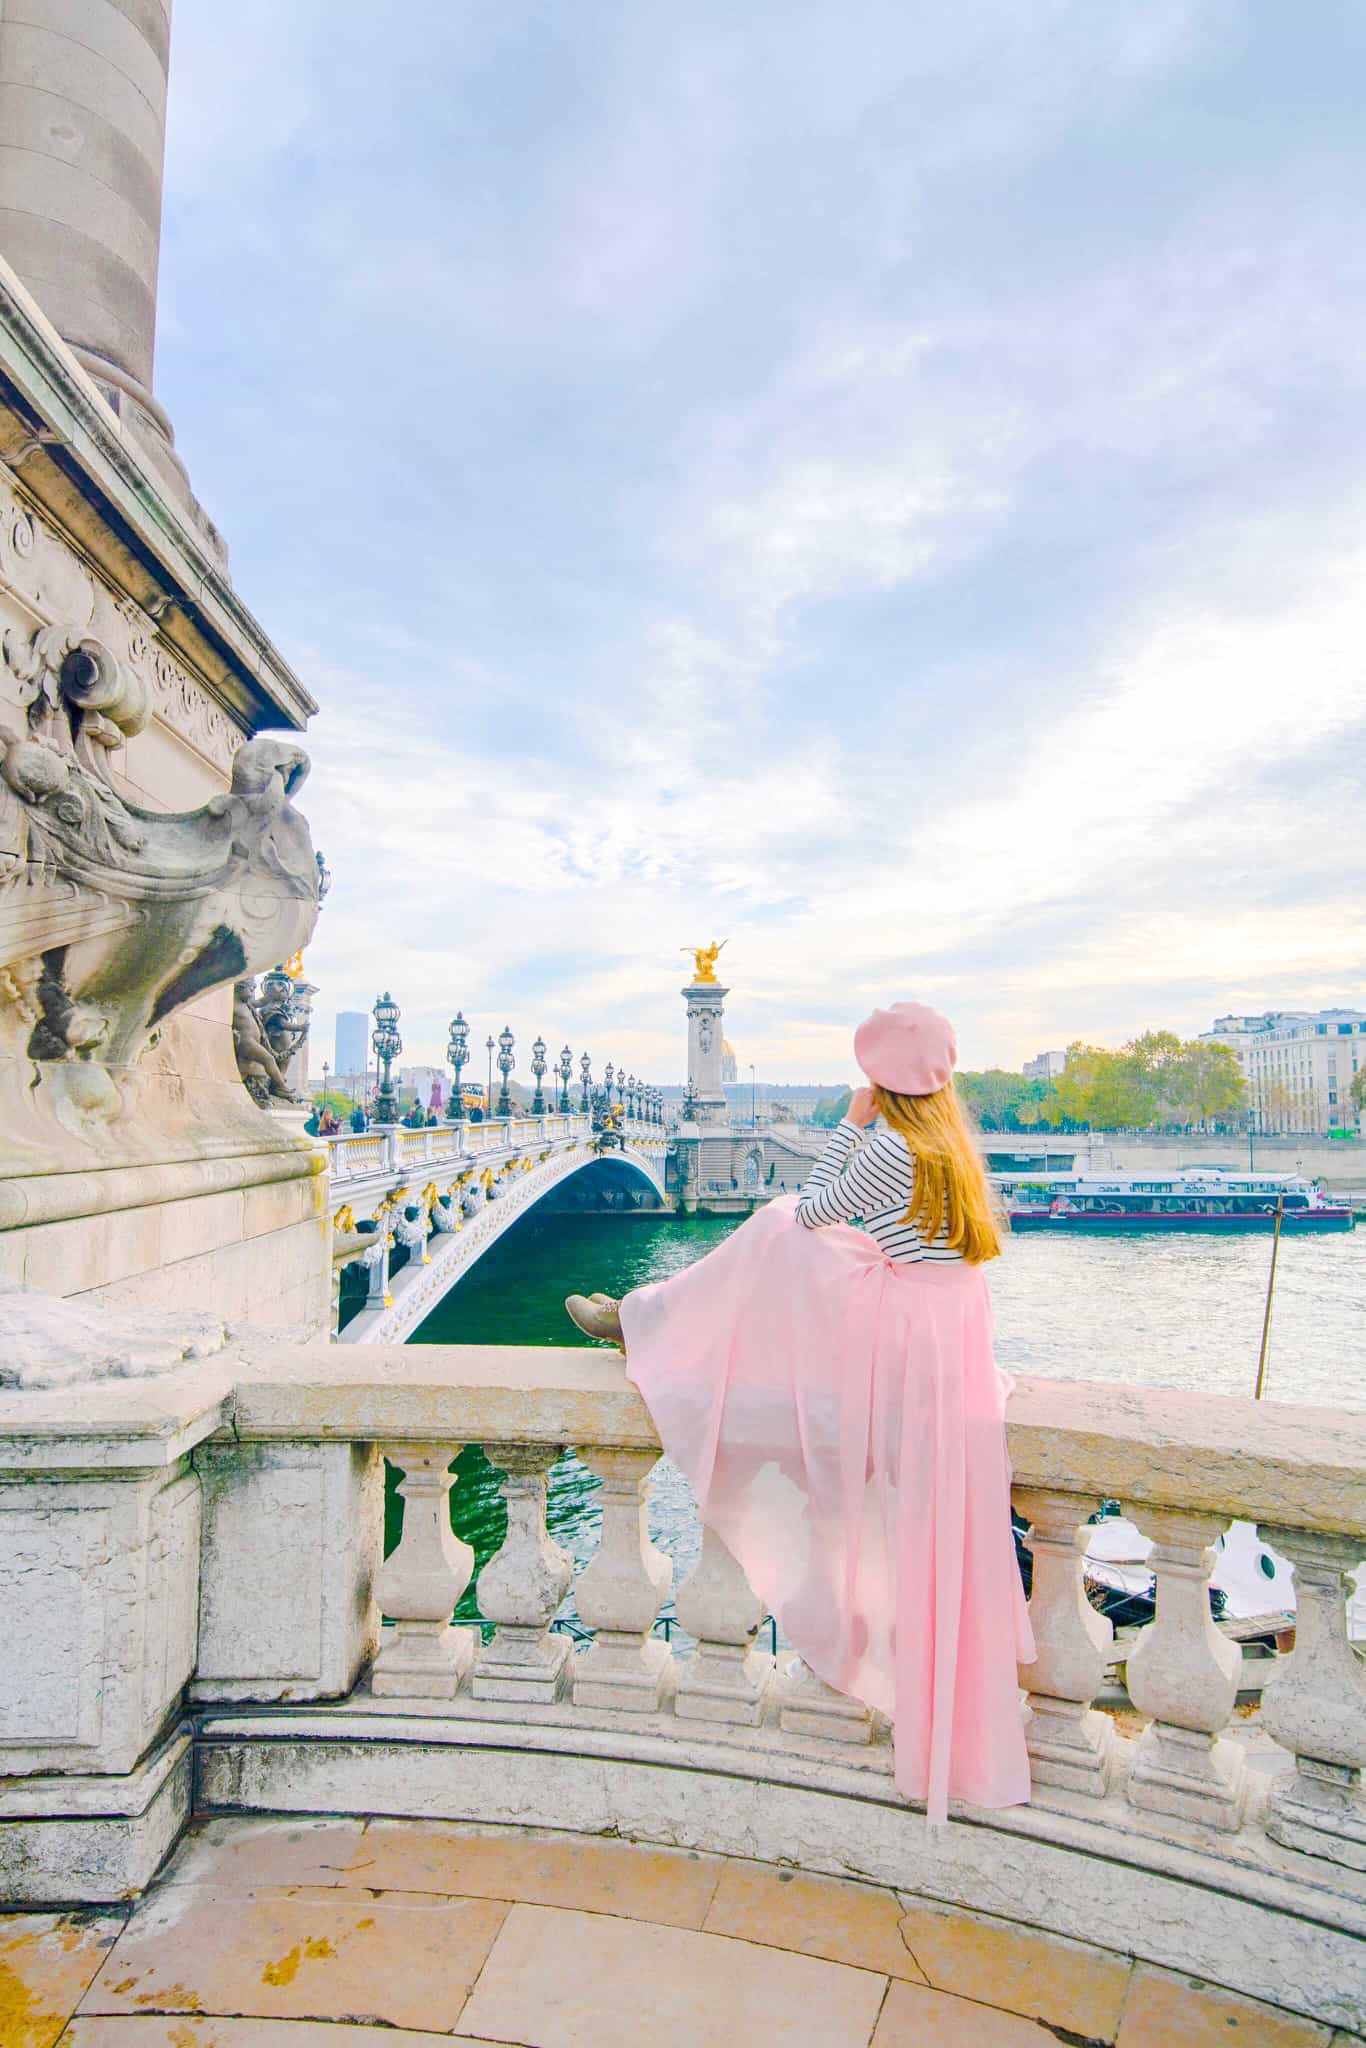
point(832, 1396)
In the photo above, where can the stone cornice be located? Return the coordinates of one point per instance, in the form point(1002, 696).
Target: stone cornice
point(72, 460)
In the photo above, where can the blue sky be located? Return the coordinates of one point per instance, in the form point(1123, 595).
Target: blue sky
point(883, 485)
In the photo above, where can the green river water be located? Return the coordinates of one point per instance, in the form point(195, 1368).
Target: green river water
point(1164, 1310)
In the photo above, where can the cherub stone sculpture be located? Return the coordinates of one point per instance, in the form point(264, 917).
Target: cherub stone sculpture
point(262, 1075)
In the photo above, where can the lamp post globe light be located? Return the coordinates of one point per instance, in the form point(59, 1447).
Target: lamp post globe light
point(538, 1069)
point(506, 1063)
point(565, 1069)
point(457, 1053)
point(388, 1045)
point(586, 1076)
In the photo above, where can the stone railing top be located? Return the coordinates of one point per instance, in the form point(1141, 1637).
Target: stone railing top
point(1215, 1454)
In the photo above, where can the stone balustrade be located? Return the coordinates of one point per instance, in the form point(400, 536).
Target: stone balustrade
point(391, 1149)
point(1239, 1867)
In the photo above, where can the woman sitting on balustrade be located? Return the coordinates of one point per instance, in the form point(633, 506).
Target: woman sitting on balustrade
point(832, 1397)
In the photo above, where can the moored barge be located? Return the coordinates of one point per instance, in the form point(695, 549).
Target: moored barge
point(1205, 1199)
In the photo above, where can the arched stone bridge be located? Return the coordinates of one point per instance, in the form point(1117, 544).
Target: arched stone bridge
point(445, 1195)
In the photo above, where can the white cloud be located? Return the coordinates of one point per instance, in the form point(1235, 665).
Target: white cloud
point(879, 485)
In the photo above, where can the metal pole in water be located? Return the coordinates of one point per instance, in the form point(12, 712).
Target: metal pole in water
point(1270, 1290)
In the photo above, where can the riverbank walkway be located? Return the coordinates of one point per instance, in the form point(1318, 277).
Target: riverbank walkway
point(315, 1933)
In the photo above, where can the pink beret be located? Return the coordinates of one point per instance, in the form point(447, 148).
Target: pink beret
point(910, 1049)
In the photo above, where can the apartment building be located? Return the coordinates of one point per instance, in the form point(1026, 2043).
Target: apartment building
point(1299, 1066)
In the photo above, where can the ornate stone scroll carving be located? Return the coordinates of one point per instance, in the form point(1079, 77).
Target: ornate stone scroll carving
point(179, 701)
point(112, 917)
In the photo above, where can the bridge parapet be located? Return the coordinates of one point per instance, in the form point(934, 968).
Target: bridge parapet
point(1162, 1844)
point(446, 1193)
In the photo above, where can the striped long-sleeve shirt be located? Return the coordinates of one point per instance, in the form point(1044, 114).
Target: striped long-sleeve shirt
point(872, 1183)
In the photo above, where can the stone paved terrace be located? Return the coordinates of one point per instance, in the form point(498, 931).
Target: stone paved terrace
point(313, 1933)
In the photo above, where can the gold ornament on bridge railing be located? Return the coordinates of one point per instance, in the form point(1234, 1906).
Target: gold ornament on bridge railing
point(704, 959)
point(294, 966)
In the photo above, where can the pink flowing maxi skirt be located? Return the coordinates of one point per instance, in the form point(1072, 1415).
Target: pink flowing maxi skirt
point(840, 1419)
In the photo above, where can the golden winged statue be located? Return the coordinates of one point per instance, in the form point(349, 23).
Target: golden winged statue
point(704, 959)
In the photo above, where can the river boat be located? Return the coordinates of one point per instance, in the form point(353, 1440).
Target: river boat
point(1200, 1198)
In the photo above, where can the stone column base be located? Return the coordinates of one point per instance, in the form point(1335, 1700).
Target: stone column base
point(1069, 1745)
point(1318, 1808)
point(620, 1671)
point(421, 1660)
point(725, 1682)
point(1186, 1772)
point(93, 1841)
point(523, 1664)
point(811, 1707)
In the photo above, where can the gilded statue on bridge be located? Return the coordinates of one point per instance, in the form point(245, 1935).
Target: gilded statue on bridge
point(704, 961)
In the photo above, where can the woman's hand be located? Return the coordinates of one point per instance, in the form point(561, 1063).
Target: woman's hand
point(862, 1108)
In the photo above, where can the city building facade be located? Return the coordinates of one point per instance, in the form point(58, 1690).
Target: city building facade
point(1299, 1066)
point(1045, 1066)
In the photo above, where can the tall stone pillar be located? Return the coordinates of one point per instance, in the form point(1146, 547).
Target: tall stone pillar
point(705, 1000)
point(83, 117)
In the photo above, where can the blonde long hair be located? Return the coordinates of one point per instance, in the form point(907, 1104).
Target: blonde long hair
point(951, 1191)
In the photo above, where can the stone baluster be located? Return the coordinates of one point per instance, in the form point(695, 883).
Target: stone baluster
point(1315, 1705)
point(1184, 1673)
point(1070, 1744)
point(727, 1679)
point(521, 1588)
point(811, 1707)
point(419, 1583)
point(621, 1591)
point(388, 1147)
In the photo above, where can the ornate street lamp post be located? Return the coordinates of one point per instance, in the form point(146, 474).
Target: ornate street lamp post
point(538, 1069)
point(488, 1092)
point(566, 1068)
point(457, 1052)
point(388, 1045)
point(608, 1071)
point(586, 1076)
point(631, 1096)
point(621, 1086)
point(506, 1063)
